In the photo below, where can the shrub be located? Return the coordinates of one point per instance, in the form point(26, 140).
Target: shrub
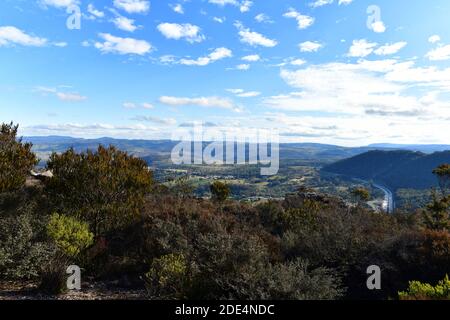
point(105, 188)
point(22, 252)
point(70, 235)
point(53, 278)
point(16, 159)
point(220, 191)
point(425, 291)
point(167, 278)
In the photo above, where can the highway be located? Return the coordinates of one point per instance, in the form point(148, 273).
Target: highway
point(388, 203)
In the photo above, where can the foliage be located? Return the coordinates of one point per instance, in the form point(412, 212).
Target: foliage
point(425, 291)
point(16, 159)
point(182, 187)
point(70, 235)
point(53, 277)
point(220, 191)
point(22, 253)
point(361, 194)
point(167, 277)
point(105, 188)
point(437, 214)
point(23, 244)
point(442, 172)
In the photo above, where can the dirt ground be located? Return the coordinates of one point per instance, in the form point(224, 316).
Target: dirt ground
point(90, 291)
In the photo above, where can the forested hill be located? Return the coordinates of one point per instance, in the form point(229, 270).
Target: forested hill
point(396, 169)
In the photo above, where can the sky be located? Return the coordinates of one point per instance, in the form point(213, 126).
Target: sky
point(345, 72)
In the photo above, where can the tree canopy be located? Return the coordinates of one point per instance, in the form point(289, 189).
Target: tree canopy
point(16, 159)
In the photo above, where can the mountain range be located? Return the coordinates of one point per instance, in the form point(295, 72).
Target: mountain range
point(399, 169)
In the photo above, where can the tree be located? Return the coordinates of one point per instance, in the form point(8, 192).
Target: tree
point(443, 175)
point(361, 194)
point(220, 191)
point(16, 159)
point(436, 214)
point(105, 188)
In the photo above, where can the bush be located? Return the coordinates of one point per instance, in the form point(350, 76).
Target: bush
point(70, 235)
point(105, 188)
point(425, 291)
point(167, 278)
point(16, 159)
point(53, 278)
point(220, 191)
point(22, 251)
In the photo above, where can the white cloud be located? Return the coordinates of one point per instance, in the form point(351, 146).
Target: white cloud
point(132, 105)
point(361, 48)
point(207, 102)
point(147, 105)
point(94, 12)
point(367, 88)
point(439, 54)
point(390, 48)
point(122, 46)
point(320, 3)
point(129, 105)
point(241, 93)
point(310, 46)
point(252, 58)
point(245, 5)
point(60, 44)
point(63, 96)
point(263, 18)
point(178, 8)
point(10, 35)
point(378, 27)
point(298, 62)
point(243, 67)
point(124, 23)
point(59, 3)
point(133, 6)
point(219, 20)
point(224, 2)
point(189, 32)
point(253, 38)
point(434, 39)
point(70, 97)
point(217, 54)
point(303, 21)
point(155, 120)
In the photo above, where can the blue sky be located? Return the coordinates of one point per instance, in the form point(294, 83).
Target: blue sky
point(316, 71)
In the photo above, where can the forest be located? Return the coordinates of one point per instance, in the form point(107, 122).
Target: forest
point(103, 210)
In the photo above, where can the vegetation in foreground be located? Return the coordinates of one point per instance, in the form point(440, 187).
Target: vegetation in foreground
point(104, 211)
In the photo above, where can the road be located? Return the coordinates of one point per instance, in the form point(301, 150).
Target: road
point(388, 203)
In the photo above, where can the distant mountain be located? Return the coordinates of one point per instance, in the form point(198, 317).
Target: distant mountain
point(396, 169)
point(160, 149)
point(426, 148)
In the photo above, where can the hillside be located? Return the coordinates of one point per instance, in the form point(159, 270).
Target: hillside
point(159, 150)
point(396, 169)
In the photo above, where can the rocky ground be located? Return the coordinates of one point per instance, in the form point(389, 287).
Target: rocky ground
point(89, 291)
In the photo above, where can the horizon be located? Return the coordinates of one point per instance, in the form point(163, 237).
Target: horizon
point(372, 145)
point(93, 68)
